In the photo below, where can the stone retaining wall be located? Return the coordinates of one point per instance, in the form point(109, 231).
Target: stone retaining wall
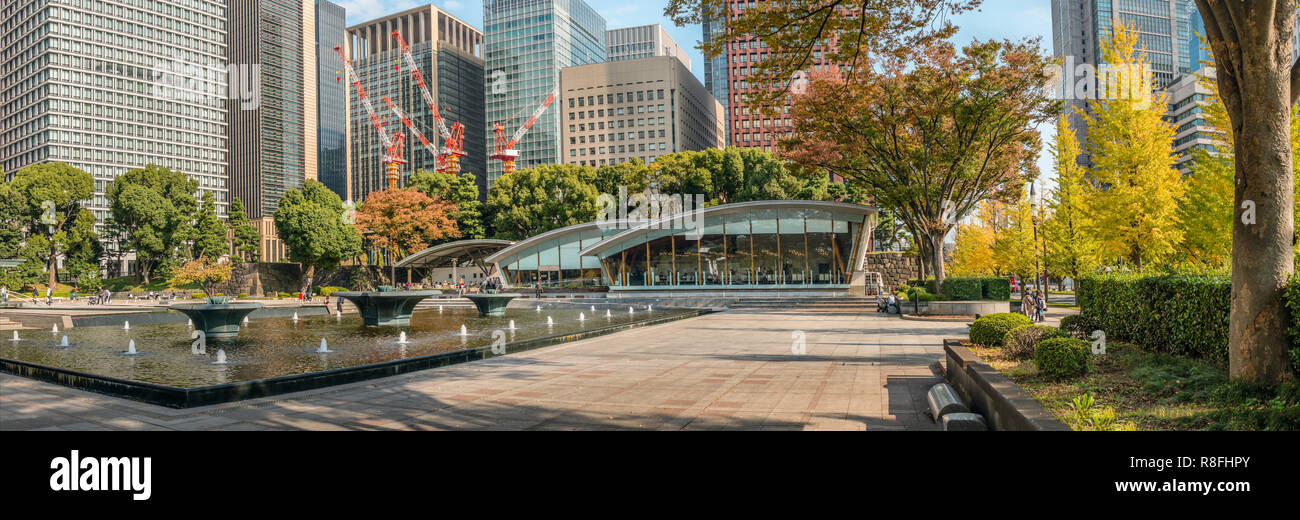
point(894, 266)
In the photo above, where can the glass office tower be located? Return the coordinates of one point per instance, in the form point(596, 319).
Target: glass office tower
point(527, 42)
point(331, 99)
point(88, 83)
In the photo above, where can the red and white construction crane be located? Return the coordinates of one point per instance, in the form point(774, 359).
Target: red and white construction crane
point(504, 150)
point(393, 146)
point(453, 150)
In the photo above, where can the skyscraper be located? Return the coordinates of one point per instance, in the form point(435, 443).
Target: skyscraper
point(715, 73)
point(751, 126)
point(643, 41)
point(448, 52)
point(527, 42)
point(84, 87)
point(332, 165)
point(1079, 27)
point(273, 142)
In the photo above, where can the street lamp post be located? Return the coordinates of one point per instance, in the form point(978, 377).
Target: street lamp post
point(1033, 217)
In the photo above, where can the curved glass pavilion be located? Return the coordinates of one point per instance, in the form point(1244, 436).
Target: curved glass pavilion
point(778, 244)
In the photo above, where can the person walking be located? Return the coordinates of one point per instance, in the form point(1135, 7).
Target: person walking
point(338, 304)
point(1040, 306)
point(49, 296)
point(4, 294)
point(1026, 303)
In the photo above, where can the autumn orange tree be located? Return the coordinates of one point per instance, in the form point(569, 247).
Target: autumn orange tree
point(403, 221)
point(930, 138)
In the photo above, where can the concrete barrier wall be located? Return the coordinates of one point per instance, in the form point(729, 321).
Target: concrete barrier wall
point(1004, 405)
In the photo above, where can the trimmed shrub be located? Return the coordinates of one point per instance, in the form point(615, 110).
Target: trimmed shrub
point(928, 284)
point(902, 288)
point(919, 294)
point(328, 290)
point(1020, 342)
point(1062, 357)
point(991, 329)
point(198, 295)
point(1074, 326)
point(901, 296)
point(996, 288)
point(282, 295)
point(243, 295)
point(963, 288)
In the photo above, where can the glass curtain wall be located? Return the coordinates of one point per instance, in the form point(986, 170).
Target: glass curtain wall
point(786, 247)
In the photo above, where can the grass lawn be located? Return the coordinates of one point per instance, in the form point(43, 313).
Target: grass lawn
point(1157, 392)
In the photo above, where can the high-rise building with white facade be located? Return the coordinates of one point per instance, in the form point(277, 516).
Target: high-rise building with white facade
point(616, 111)
point(1185, 98)
point(630, 43)
point(527, 42)
point(111, 86)
point(449, 53)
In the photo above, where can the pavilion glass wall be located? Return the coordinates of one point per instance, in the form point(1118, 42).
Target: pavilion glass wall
point(765, 247)
point(556, 261)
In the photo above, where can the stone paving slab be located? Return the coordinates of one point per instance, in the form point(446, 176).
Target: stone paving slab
point(723, 371)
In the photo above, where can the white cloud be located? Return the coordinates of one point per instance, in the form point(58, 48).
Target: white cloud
point(451, 4)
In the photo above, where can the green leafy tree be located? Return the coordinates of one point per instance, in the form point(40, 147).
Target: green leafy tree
point(460, 190)
point(244, 237)
point(54, 193)
point(13, 222)
point(1134, 190)
point(533, 200)
point(310, 221)
point(154, 207)
point(1069, 248)
point(209, 238)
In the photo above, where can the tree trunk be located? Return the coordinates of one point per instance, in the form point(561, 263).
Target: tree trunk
point(50, 266)
point(936, 252)
point(1262, 256)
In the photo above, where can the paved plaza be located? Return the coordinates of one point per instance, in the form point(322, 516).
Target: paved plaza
point(728, 370)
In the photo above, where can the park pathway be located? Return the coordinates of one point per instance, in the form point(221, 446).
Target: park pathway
point(731, 370)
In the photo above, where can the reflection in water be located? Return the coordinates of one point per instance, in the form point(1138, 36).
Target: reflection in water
point(274, 347)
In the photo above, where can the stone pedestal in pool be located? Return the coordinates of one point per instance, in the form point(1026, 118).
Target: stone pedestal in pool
point(217, 320)
point(380, 308)
point(492, 304)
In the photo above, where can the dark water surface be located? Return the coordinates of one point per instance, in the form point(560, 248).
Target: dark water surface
point(271, 347)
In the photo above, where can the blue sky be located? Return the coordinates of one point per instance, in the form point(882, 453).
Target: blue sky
point(998, 19)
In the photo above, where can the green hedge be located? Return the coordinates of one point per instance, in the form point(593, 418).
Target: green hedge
point(991, 329)
point(919, 294)
point(964, 288)
point(326, 291)
point(928, 284)
point(1062, 357)
point(994, 288)
point(1178, 314)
